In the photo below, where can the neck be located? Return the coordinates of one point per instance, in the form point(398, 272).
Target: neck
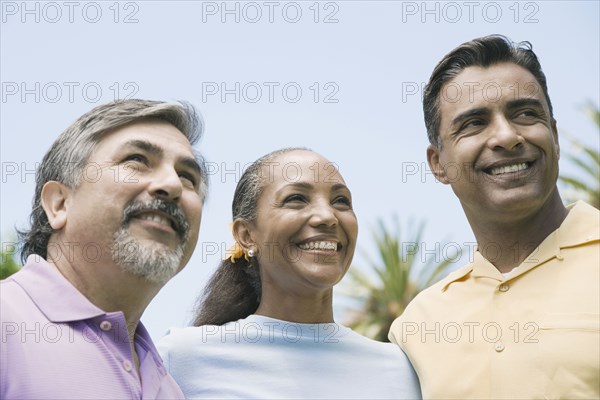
point(507, 240)
point(305, 309)
point(106, 285)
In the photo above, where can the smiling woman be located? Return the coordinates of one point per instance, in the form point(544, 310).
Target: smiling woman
point(267, 315)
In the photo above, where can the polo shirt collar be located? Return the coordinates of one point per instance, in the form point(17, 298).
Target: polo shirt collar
point(575, 230)
point(579, 227)
point(52, 293)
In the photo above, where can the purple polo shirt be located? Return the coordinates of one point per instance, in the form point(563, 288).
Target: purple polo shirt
point(56, 344)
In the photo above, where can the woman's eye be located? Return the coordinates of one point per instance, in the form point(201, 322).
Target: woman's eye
point(343, 200)
point(294, 198)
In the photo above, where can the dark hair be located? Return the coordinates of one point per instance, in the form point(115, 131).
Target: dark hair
point(483, 52)
point(67, 157)
point(234, 290)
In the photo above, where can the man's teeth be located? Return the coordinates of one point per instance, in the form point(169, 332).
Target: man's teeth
point(156, 218)
point(318, 246)
point(509, 168)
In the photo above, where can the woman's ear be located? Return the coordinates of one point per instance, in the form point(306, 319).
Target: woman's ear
point(242, 233)
point(54, 202)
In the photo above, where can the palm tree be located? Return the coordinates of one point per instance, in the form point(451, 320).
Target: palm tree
point(587, 159)
point(8, 266)
point(400, 275)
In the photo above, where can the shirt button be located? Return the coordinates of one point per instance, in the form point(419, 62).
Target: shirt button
point(105, 325)
point(127, 365)
point(499, 347)
point(559, 257)
point(504, 287)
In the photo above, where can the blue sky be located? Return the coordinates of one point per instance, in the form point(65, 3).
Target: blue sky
point(343, 78)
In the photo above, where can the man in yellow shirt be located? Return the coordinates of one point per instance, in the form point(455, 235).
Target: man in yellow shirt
point(522, 319)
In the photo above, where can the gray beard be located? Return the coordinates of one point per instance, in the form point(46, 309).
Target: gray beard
point(152, 262)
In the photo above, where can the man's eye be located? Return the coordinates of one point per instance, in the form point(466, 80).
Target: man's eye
point(528, 117)
point(527, 114)
point(473, 123)
point(136, 158)
point(188, 177)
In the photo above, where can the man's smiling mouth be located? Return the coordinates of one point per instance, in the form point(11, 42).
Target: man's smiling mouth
point(505, 169)
point(154, 217)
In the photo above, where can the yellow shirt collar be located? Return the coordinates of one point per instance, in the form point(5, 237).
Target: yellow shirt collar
point(574, 231)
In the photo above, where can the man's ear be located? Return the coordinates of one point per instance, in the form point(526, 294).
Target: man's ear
point(242, 233)
point(555, 136)
point(433, 158)
point(54, 202)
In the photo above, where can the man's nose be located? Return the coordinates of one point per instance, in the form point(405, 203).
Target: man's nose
point(504, 134)
point(166, 183)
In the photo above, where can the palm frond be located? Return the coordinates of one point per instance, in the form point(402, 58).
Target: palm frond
point(8, 266)
point(591, 167)
point(587, 160)
point(398, 276)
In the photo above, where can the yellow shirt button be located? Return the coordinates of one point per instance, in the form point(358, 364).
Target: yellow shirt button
point(499, 347)
point(559, 257)
point(504, 287)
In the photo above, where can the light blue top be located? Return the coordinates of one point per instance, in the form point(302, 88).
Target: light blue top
point(261, 357)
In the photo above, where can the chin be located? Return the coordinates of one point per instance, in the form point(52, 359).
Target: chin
point(147, 259)
point(521, 201)
point(326, 280)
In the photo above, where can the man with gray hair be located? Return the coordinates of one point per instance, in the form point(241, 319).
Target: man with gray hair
point(116, 214)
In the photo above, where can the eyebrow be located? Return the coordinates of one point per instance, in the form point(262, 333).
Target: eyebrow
point(149, 147)
point(306, 186)
point(339, 186)
point(298, 185)
point(482, 111)
point(524, 102)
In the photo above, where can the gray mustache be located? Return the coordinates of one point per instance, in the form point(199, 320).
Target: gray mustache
point(181, 226)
